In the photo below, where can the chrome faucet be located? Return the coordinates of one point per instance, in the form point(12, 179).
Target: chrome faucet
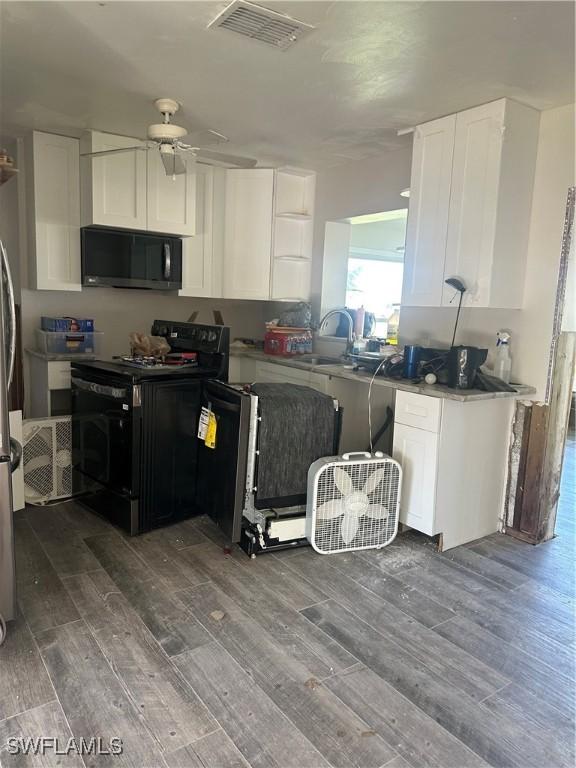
point(348, 316)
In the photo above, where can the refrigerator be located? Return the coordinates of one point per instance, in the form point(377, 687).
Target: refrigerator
point(10, 449)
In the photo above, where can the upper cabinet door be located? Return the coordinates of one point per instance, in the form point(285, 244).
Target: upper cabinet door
point(474, 201)
point(202, 254)
point(428, 213)
point(171, 200)
point(113, 186)
point(248, 233)
point(55, 213)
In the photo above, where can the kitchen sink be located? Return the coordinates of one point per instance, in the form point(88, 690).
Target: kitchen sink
point(319, 360)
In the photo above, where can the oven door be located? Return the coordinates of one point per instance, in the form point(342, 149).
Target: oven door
point(221, 484)
point(105, 433)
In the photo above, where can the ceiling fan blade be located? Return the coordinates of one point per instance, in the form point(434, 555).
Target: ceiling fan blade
point(206, 138)
point(105, 152)
point(174, 165)
point(207, 157)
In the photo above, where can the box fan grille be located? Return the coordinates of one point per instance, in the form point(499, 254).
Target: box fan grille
point(353, 503)
point(47, 459)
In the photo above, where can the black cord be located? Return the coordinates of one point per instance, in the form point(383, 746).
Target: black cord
point(457, 317)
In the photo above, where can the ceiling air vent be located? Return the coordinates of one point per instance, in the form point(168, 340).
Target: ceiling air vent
point(261, 24)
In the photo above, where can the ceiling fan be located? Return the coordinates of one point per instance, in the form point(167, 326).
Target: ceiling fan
point(167, 137)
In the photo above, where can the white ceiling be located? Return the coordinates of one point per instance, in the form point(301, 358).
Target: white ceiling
point(340, 93)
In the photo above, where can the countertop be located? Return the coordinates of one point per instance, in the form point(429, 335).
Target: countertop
point(342, 372)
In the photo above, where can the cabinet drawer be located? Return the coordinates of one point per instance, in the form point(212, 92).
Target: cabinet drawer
point(59, 375)
point(419, 411)
point(276, 373)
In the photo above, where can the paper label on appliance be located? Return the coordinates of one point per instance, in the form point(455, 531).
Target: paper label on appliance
point(210, 440)
point(203, 422)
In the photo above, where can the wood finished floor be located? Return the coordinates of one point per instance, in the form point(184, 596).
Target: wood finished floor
point(403, 657)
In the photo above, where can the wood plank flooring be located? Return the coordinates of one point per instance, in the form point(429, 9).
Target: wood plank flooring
point(197, 659)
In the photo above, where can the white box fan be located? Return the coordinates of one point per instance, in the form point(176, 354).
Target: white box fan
point(47, 459)
point(353, 502)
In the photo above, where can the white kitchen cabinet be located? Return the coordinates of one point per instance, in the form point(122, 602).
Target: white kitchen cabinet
point(171, 200)
point(470, 205)
point(268, 234)
point(416, 450)
point(292, 235)
point(281, 374)
point(291, 276)
point(113, 186)
point(242, 370)
point(490, 203)
point(53, 203)
point(427, 224)
point(248, 233)
point(50, 386)
point(453, 456)
point(202, 255)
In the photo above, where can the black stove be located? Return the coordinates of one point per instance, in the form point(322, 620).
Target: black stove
point(134, 428)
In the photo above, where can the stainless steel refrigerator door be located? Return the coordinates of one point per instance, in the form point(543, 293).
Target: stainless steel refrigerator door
point(7, 573)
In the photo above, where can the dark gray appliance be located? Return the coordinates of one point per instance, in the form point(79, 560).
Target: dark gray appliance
point(254, 441)
point(463, 364)
point(125, 259)
point(134, 443)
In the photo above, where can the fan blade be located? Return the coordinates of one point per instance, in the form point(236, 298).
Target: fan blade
point(206, 138)
point(174, 165)
point(207, 157)
point(349, 527)
point(374, 480)
point(330, 509)
point(377, 512)
point(38, 462)
point(105, 152)
point(343, 481)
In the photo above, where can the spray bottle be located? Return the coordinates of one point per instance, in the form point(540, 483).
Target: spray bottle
point(503, 361)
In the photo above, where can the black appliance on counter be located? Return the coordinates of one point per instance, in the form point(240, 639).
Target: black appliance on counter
point(455, 367)
point(135, 451)
point(125, 259)
point(463, 364)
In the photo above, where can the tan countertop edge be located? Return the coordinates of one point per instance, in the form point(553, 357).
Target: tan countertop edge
point(338, 371)
point(49, 356)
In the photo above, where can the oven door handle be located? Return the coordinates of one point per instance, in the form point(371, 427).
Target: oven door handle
point(118, 393)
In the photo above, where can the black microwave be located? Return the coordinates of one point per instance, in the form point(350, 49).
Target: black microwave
point(126, 259)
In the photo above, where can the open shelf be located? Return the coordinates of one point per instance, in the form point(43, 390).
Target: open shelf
point(294, 215)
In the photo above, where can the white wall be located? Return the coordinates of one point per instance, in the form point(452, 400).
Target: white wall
point(117, 312)
point(373, 186)
point(370, 186)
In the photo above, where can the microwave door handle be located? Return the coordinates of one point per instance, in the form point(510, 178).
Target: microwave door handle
point(167, 261)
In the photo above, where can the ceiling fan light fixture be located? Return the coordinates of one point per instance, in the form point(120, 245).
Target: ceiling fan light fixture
point(166, 132)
